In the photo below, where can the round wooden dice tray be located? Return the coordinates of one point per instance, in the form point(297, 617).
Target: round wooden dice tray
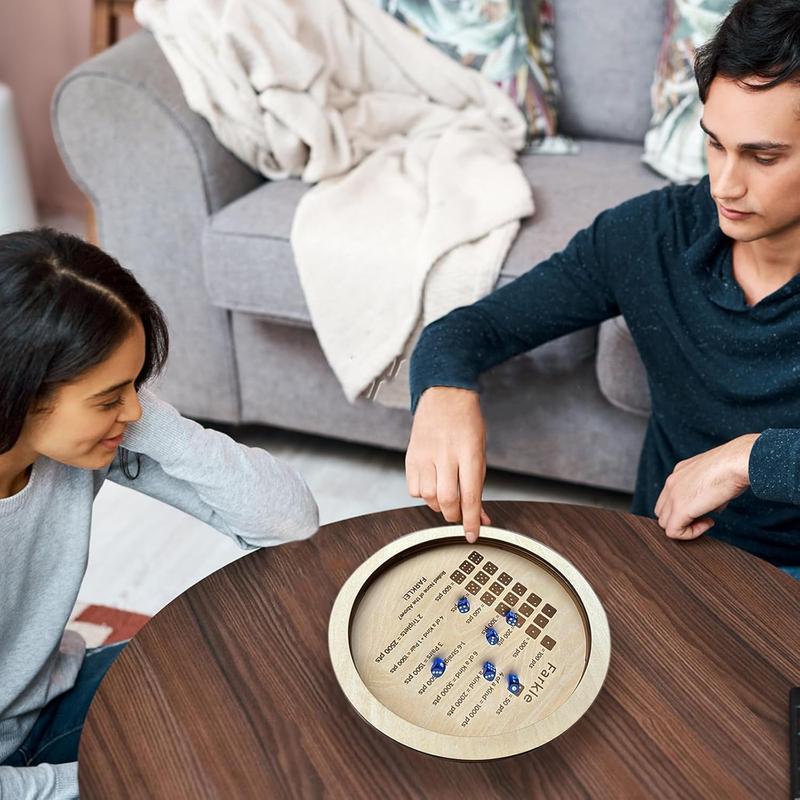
point(398, 611)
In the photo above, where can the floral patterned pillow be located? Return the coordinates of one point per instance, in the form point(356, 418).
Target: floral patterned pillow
point(675, 144)
point(508, 41)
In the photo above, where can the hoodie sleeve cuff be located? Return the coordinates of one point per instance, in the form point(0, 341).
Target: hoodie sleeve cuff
point(774, 466)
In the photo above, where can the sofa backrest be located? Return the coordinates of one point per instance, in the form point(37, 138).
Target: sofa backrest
point(606, 54)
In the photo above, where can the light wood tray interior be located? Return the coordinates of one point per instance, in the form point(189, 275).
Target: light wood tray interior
point(398, 612)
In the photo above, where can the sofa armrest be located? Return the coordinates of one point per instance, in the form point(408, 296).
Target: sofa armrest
point(154, 172)
point(137, 64)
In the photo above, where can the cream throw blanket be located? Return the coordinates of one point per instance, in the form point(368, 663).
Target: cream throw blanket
point(418, 195)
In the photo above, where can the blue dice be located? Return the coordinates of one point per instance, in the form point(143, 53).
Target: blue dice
point(438, 667)
point(511, 616)
point(489, 671)
point(513, 683)
point(463, 605)
point(492, 636)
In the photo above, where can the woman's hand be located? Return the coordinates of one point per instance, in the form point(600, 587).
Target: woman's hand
point(446, 456)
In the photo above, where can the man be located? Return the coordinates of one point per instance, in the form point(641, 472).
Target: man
point(708, 280)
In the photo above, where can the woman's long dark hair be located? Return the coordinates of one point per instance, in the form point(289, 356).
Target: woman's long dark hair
point(65, 306)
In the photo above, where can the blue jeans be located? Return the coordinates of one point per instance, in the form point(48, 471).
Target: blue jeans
point(54, 737)
point(793, 571)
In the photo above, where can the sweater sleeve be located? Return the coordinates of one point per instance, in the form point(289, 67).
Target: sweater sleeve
point(573, 289)
point(774, 465)
point(44, 782)
point(243, 492)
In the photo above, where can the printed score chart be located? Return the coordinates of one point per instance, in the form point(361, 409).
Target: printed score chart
point(469, 651)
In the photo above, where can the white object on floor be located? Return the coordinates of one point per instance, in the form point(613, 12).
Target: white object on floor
point(17, 211)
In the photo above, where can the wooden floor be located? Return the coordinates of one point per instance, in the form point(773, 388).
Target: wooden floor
point(144, 553)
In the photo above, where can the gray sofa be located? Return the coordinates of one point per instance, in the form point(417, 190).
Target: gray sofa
point(210, 240)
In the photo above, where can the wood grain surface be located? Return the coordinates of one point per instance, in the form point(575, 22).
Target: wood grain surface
point(229, 693)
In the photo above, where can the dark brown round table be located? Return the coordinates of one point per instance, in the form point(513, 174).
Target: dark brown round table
point(229, 693)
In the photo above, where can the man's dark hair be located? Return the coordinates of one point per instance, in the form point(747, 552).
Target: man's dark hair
point(65, 305)
point(758, 38)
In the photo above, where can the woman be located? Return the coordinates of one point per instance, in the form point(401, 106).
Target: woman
point(79, 339)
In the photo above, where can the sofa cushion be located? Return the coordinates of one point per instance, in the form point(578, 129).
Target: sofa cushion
point(606, 54)
point(620, 371)
point(675, 145)
point(511, 44)
point(249, 265)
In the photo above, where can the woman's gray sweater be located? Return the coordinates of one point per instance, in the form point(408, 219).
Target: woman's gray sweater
point(241, 491)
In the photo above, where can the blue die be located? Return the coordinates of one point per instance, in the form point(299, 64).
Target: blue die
point(438, 667)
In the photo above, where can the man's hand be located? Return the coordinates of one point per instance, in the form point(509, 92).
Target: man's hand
point(702, 484)
point(446, 456)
